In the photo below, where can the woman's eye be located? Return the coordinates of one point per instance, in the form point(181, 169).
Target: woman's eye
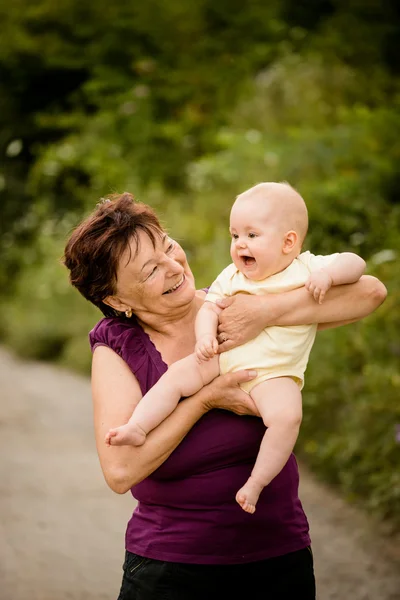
point(171, 245)
point(152, 272)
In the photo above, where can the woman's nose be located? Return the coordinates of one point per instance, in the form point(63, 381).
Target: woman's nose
point(174, 266)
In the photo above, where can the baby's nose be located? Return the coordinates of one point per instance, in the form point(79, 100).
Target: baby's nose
point(240, 243)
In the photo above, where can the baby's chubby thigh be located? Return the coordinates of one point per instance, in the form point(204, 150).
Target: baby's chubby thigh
point(279, 401)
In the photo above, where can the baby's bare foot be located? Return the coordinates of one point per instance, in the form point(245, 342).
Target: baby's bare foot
point(247, 496)
point(126, 435)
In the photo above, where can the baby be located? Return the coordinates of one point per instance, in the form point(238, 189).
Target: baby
point(268, 224)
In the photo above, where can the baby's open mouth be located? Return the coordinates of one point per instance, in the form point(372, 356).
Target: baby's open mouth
point(249, 261)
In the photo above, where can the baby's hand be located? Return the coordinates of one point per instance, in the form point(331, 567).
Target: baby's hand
point(318, 284)
point(206, 347)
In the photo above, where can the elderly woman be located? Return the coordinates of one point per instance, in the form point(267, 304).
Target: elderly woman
point(187, 538)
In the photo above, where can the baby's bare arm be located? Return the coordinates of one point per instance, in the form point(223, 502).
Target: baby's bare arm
point(207, 320)
point(206, 331)
point(346, 268)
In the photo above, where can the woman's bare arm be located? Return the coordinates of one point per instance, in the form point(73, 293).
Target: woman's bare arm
point(116, 392)
point(342, 304)
point(244, 316)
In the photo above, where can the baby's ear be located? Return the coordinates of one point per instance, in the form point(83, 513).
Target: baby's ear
point(289, 241)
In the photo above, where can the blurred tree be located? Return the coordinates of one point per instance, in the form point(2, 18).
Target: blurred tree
point(61, 63)
point(187, 104)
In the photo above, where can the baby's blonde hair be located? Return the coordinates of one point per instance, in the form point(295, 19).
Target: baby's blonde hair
point(292, 208)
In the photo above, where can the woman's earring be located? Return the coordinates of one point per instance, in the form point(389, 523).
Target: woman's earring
point(128, 313)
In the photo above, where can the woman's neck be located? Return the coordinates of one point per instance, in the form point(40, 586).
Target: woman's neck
point(174, 335)
point(172, 324)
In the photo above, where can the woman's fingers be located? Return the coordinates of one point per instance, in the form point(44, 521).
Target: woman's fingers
point(228, 345)
point(228, 395)
point(243, 375)
point(222, 340)
point(239, 322)
point(245, 403)
point(231, 339)
point(225, 302)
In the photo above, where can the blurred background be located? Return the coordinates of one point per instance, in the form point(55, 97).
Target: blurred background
point(187, 104)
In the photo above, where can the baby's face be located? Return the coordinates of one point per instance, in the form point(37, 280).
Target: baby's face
point(258, 235)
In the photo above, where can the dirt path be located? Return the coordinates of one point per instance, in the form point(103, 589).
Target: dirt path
point(61, 528)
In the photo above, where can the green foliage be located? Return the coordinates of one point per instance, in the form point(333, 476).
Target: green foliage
point(187, 105)
point(351, 412)
point(44, 317)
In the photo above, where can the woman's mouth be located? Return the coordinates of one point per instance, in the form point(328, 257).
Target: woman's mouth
point(176, 286)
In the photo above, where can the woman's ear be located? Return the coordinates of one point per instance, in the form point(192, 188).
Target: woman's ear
point(116, 303)
point(289, 241)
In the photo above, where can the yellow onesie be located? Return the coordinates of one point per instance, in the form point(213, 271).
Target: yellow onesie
point(276, 351)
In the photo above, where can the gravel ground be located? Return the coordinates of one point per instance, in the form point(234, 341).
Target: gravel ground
point(62, 529)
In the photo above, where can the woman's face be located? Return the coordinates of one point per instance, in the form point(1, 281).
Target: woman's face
point(154, 280)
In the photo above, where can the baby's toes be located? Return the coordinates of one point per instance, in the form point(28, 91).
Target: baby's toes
point(249, 508)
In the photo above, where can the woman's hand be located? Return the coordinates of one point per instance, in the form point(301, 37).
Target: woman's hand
point(244, 316)
point(225, 393)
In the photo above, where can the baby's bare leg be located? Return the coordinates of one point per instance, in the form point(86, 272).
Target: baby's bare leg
point(183, 378)
point(279, 403)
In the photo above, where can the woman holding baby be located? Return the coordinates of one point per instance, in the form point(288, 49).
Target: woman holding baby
point(188, 539)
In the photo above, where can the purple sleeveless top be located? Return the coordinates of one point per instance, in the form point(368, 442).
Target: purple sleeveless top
point(186, 509)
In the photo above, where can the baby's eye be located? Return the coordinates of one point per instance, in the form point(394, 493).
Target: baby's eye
point(252, 234)
point(235, 236)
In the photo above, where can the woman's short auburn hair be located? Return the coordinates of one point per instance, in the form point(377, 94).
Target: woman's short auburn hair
point(94, 249)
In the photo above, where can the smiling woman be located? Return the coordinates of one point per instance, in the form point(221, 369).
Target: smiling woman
point(121, 259)
point(188, 538)
point(149, 271)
